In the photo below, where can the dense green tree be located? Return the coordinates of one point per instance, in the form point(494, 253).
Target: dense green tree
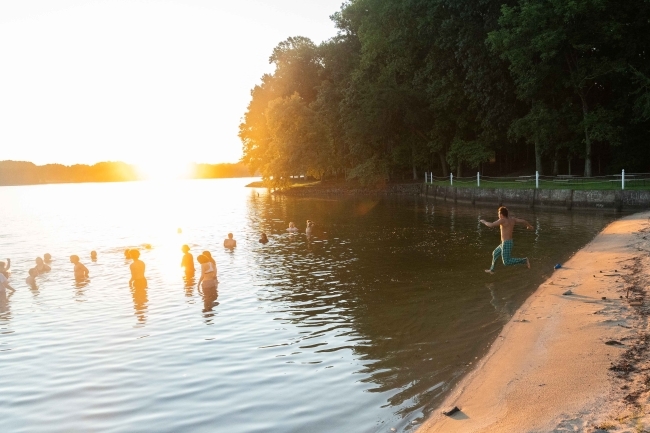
point(414, 85)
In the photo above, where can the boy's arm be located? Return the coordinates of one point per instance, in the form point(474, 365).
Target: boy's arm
point(132, 279)
point(8, 264)
point(497, 223)
point(524, 222)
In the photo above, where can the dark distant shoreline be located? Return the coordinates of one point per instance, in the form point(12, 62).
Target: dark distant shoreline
point(14, 173)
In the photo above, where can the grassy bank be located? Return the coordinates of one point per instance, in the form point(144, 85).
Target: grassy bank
point(575, 184)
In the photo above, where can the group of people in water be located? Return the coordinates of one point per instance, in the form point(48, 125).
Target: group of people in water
point(208, 279)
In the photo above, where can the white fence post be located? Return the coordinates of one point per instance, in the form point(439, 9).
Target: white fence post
point(451, 178)
point(623, 179)
point(537, 180)
point(478, 178)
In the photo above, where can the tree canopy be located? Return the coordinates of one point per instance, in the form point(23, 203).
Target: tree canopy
point(497, 86)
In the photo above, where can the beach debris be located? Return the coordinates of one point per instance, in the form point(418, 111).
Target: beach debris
point(557, 266)
point(567, 293)
point(604, 298)
point(613, 343)
point(450, 412)
point(393, 429)
point(636, 304)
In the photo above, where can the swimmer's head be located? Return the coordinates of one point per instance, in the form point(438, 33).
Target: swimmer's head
point(74, 259)
point(135, 254)
point(93, 254)
point(291, 225)
point(39, 261)
point(503, 211)
point(3, 266)
point(202, 259)
point(229, 235)
point(47, 257)
point(185, 248)
point(127, 253)
point(32, 272)
point(207, 254)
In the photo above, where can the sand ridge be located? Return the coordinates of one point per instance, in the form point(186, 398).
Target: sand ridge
point(574, 362)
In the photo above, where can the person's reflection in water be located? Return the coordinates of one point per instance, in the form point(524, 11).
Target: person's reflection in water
point(138, 285)
point(140, 301)
point(189, 286)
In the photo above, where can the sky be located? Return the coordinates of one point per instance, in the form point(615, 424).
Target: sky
point(157, 82)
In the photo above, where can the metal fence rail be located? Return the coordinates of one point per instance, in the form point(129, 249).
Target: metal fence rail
point(618, 181)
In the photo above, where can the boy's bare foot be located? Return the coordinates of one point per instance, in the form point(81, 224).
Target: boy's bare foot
point(527, 263)
point(492, 272)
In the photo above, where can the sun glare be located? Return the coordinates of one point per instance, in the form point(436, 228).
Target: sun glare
point(165, 170)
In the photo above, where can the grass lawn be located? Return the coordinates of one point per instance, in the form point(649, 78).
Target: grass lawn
point(586, 184)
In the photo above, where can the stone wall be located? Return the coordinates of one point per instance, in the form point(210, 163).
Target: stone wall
point(393, 189)
point(559, 198)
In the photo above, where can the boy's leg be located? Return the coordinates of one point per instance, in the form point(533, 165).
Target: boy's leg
point(507, 260)
point(495, 256)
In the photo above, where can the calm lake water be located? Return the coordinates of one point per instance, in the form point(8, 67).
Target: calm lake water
point(362, 330)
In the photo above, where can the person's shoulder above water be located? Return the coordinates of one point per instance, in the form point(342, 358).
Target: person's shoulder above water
point(41, 267)
point(229, 242)
point(31, 279)
point(80, 270)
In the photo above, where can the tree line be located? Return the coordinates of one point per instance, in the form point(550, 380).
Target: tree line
point(497, 86)
point(27, 173)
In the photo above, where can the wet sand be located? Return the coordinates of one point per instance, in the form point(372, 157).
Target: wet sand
point(569, 362)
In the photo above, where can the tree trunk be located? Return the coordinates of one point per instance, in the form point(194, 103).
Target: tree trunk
point(569, 161)
point(415, 172)
point(538, 157)
point(556, 163)
point(443, 164)
point(585, 111)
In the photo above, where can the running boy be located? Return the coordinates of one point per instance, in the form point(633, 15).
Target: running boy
point(507, 225)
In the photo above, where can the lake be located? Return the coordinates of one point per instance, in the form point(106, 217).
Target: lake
point(363, 329)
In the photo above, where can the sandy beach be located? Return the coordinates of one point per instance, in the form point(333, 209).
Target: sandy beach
point(574, 357)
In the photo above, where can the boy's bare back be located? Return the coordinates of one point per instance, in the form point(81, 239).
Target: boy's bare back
point(137, 269)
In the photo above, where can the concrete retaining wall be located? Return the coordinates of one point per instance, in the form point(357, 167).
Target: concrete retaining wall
point(393, 189)
point(564, 198)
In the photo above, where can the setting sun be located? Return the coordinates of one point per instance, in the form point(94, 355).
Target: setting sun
point(165, 170)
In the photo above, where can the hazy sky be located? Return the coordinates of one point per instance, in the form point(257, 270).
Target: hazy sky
point(168, 81)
